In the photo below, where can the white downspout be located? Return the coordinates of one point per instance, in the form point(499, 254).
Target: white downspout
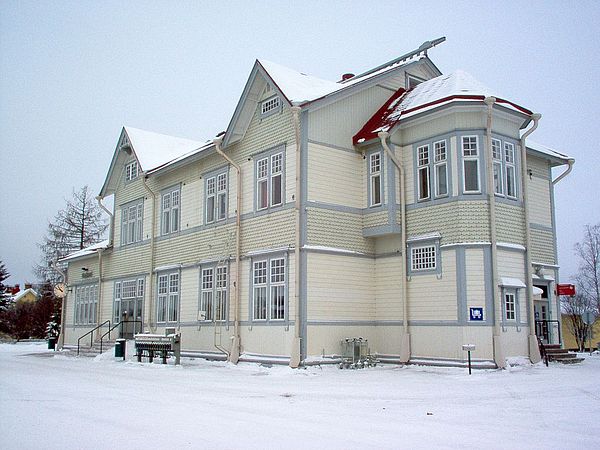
point(234, 354)
point(150, 287)
point(499, 357)
point(405, 342)
point(534, 351)
point(295, 355)
point(111, 226)
point(61, 336)
point(570, 162)
point(99, 303)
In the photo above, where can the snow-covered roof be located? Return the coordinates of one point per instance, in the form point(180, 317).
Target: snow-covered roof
point(154, 150)
point(512, 282)
point(458, 86)
point(547, 150)
point(86, 251)
point(22, 294)
point(300, 88)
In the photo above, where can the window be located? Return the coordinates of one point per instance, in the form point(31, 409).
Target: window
point(441, 168)
point(167, 308)
point(86, 302)
point(375, 179)
point(509, 306)
point(470, 153)
point(132, 218)
point(213, 296)
point(216, 198)
point(131, 171)
point(270, 105)
point(497, 166)
point(269, 289)
point(269, 181)
point(509, 157)
point(128, 299)
point(170, 211)
point(423, 171)
point(423, 258)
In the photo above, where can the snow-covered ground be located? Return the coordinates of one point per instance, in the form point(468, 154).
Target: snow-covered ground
point(50, 400)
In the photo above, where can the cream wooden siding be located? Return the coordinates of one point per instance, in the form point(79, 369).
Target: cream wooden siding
point(474, 263)
point(406, 156)
point(433, 298)
point(510, 223)
point(336, 176)
point(337, 229)
point(388, 288)
point(465, 221)
point(74, 274)
point(107, 300)
point(340, 287)
point(542, 246)
point(540, 206)
point(129, 260)
point(337, 123)
point(511, 264)
point(432, 342)
point(188, 295)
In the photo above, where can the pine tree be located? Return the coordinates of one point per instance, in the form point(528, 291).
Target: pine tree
point(3, 294)
point(77, 226)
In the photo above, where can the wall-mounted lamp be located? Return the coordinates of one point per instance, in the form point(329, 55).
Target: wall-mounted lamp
point(530, 173)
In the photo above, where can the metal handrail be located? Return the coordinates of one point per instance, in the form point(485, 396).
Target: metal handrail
point(90, 333)
point(115, 326)
point(543, 350)
point(542, 323)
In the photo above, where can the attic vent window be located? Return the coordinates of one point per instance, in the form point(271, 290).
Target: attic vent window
point(131, 171)
point(270, 106)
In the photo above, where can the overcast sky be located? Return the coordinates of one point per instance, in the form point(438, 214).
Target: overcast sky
point(73, 73)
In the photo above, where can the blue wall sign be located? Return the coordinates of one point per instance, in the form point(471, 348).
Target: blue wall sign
point(476, 314)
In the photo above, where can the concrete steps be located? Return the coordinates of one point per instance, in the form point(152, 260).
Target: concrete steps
point(94, 350)
point(558, 354)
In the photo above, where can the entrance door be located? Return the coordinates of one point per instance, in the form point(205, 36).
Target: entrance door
point(131, 317)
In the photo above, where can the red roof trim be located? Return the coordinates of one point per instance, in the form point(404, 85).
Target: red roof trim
point(274, 82)
point(377, 120)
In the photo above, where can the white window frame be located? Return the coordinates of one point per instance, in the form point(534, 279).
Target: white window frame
point(167, 304)
point(131, 171)
point(170, 210)
point(375, 178)
point(510, 306)
point(85, 304)
point(269, 287)
point(213, 294)
point(470, 155)
point(509, 159)
point(132, 222)
point(440, 161)
point(270, 106)
point(423, 258)
point(423, 172)
point(498, 171)
point(270, 170)
point(216, 198)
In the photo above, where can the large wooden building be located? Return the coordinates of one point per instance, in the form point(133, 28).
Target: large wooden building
point(401, 205)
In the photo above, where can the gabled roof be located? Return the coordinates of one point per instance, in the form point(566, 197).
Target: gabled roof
point(91, 250)
point(22, 294)
point(153, 151)
point(550, 153)
point(459, 86)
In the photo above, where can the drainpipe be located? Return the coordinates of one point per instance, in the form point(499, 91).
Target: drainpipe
point(151, 326)
point(234, 354)
point(570, 162)
point(405, 342)
point(111, 225)
point(99, 304)
point(63, 311)
point(499, 357)
point(534, 351)
point(296, 346)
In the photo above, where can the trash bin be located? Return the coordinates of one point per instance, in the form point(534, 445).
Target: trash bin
point(52, 343)
point(120, 348)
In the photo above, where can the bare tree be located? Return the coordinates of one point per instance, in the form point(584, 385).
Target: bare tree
point(587, 282)
point(78, 225)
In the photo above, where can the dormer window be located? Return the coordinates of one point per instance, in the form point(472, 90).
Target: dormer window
point(270, 106)
point(131, 171)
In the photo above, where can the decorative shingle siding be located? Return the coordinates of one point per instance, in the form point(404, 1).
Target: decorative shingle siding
point(274, 230)
point(510, 224)
point(542, 246)
point(337, 229)
point(375, 219)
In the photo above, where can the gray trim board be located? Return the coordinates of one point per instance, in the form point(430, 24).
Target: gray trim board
point(333, 146)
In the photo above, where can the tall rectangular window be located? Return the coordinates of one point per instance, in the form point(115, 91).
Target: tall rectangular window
point(221, 196)
point(86, 302)
point(441, 168)
point(497, 166)
point(132, 219)
point(470, 153)
point(170, 210)
point(210, 199)
point(269, 287)
point(213, 295)
point(221, 293)
point(215, 199)
point(270, 176)
point(167, 305)
point(375, 178)
point(131, 171)
point(423, 172)
point(206, 294)
point(509, 157)
point(509, 306)
point(260, 290)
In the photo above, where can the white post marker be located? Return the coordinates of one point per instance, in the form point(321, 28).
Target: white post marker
point(469, 348)
point(589, 318)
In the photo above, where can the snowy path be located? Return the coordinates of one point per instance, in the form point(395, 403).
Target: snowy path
point(65, 402)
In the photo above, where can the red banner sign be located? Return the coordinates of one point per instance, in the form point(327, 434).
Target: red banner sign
point(565, 289)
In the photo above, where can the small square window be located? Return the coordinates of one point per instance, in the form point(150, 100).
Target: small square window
point(423, 258)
